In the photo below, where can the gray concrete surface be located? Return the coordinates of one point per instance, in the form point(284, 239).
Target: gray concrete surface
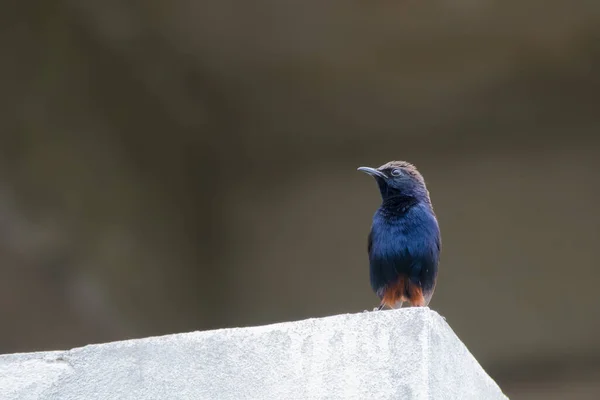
point(401, 354)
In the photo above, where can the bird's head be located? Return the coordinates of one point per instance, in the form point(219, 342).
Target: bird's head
point(398, 178)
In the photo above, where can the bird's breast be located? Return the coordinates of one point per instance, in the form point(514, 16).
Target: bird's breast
point(404, 246)
point(413, 234)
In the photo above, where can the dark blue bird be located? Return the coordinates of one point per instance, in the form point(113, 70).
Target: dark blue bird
point(404, 243)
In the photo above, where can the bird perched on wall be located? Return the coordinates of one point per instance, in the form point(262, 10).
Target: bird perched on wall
point(404, 243)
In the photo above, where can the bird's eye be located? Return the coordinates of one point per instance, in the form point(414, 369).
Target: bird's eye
point(396, 172)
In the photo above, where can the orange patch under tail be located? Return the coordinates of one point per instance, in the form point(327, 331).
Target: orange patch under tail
point(415, 294)
point(395, 293)
point(403, 290)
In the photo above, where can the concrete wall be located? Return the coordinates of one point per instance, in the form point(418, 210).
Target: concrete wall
point(407, 354)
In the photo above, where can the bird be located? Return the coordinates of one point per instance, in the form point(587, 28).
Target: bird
point(404, 243)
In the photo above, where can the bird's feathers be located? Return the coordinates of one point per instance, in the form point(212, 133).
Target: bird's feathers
point(404, 243)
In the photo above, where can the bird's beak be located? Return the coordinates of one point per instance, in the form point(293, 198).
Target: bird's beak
point(372, 172)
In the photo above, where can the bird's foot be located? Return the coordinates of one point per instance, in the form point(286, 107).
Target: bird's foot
point(375, 309)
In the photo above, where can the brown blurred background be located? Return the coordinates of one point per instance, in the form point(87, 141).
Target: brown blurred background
point(188, 165)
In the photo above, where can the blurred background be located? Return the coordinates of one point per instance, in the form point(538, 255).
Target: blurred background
point(189, 165)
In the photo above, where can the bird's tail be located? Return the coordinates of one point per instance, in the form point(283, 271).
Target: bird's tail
point(405, 290)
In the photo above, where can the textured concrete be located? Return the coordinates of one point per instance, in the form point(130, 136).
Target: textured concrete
point(402, 354)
